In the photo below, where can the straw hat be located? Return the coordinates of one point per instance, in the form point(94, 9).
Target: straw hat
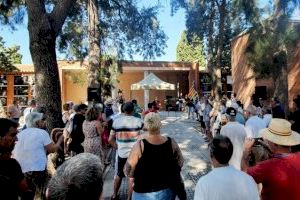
point(280, 132)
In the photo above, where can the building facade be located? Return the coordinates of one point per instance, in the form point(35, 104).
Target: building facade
point(73, 79)
point(245, 84)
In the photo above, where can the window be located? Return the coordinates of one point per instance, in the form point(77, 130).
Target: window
point(205, 83)
point(22, 88)
point(3, 90)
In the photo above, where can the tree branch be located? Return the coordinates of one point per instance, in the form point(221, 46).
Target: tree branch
point(218, 4)
point(60, 13)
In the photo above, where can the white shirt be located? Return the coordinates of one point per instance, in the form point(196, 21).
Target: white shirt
point(226, 183)
point(27, 111)
point(30, 149)
point(236, 132)
point(253, 125)
point(126, 130)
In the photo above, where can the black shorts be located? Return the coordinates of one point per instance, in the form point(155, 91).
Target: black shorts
point(202, 122)
point(120, 167)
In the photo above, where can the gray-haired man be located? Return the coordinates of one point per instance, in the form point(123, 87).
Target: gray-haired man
point(80, 177)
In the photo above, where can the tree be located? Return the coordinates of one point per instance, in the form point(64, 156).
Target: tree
point(271, 46)
point(8, 57)
point(117, 29)
point(123, 26)
point(213, 21)
point(190, 51)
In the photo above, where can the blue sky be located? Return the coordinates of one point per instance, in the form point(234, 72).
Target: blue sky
point(172, 25)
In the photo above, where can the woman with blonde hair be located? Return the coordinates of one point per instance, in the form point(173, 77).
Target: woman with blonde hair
point(155, 163)
point(92, 130)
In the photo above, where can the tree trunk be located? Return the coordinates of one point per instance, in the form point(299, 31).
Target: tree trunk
point(47, 83)
point(210, 55)
point(43, 30)
point(281, 88)
point(217, 70)
point(94, 45)
point(279, 23)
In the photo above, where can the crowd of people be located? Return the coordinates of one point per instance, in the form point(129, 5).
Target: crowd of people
point(253, 150)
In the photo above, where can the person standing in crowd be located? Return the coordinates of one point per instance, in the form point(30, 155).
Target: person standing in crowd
point(254, 123)
point(199, 114)
point(30, 108)
point(215, 118)
point(237, 134)
point(125, 131)
point(280, 174)
point(150, 109)
point(154, 163)
point(180, 103)
point(277, 109)
point(92, 130)
point(156, 104)
point(137, 109)
point(14, 111)
point(239, 114)
point(224, 182)
point(206, 118)
point(267, 115)
point(30, 151)
point(295, 116)
point(295, 119)
point(76, 135)
point(66, 113)
point(191, 106)
point(108, 113)
point(12, 181)
point(80, 177)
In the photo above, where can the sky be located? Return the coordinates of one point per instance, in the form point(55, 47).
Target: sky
point(172, 25)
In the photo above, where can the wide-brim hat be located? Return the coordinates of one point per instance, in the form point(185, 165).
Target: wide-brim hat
point(280, 132)
point(109, 101)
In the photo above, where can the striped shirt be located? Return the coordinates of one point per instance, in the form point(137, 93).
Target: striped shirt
point(126, 130)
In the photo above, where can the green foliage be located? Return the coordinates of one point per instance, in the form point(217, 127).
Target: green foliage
point(190, 51)
point(8, 57)
point(125, 29)
point(109, 71)
point(273, 41)
point(203, 19)
point(77, 76)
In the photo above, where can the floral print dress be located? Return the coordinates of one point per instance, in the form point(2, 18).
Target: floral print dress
point(92, 142)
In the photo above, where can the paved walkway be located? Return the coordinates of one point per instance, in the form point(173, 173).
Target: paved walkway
point(194, 149)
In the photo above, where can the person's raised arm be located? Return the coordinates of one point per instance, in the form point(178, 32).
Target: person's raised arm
point(53, 147)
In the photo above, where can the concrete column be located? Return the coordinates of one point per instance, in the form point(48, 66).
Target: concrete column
point(146, 92)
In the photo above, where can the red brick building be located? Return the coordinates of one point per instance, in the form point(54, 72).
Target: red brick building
point(244, 82)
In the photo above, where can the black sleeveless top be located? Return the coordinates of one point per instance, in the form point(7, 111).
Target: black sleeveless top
point(155, 169)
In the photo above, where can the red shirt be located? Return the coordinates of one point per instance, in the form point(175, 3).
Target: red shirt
point(280, 177)
point(149, 110)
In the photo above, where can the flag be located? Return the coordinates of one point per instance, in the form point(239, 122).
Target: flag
point(193, 94)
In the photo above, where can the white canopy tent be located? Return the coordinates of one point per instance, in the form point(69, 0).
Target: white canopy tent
point(151, 82)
